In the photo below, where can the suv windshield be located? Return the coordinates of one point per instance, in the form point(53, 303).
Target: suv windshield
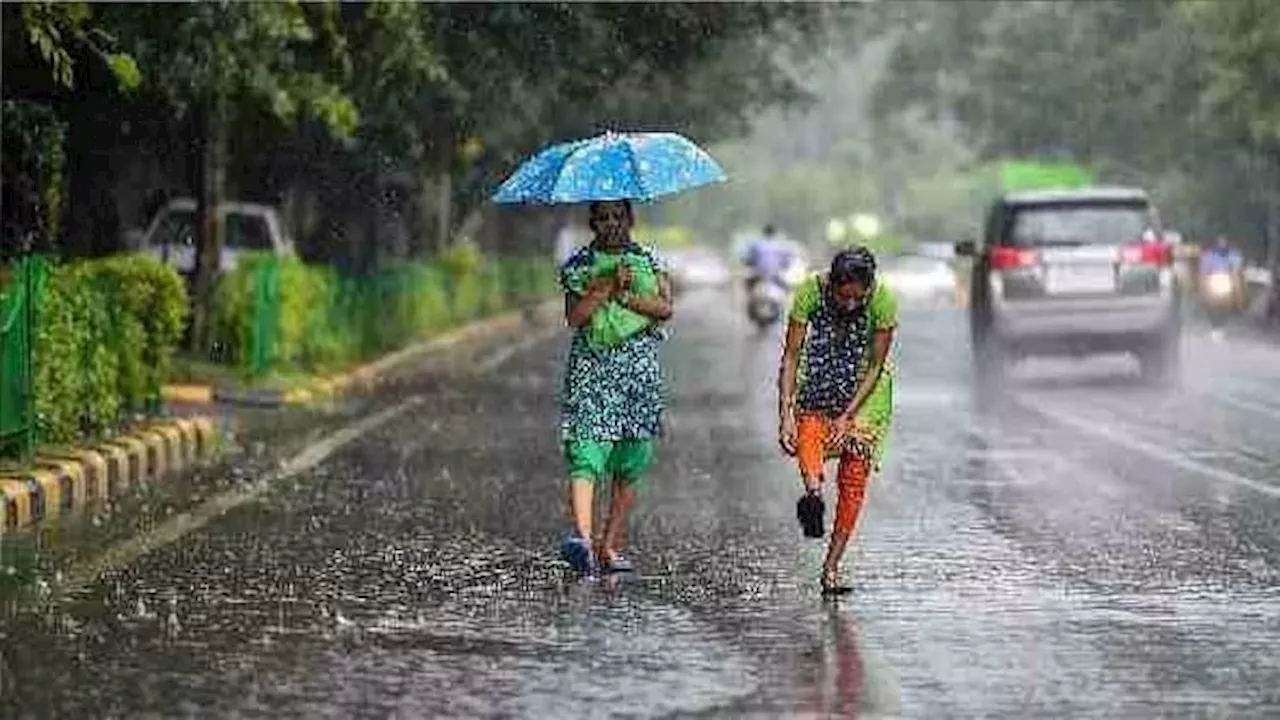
point(177, 228)
point(249, 232)
point(240, 231)
point(1111, 224)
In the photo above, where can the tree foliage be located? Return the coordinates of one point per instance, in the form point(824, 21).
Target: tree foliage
point(452, 94)
point(282, 55)
point(34, 177)
point(1178, 96)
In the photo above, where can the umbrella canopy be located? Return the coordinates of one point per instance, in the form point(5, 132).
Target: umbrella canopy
point(613, 166)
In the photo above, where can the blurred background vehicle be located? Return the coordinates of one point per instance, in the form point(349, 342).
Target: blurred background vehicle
point(697, 267)
point(1073, 272)
point(921, 279)
point(1220, 297)
point(769, 296)
point(247, 227)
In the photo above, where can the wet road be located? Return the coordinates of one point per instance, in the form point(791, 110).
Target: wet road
point(1080, 546)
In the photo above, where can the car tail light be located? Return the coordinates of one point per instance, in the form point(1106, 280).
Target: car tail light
point(1012, 258)
point(1148, 253)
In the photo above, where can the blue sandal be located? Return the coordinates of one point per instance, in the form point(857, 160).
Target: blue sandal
point(618, 563)
point(577, 552)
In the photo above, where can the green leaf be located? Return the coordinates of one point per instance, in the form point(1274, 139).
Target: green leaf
point(126, 71)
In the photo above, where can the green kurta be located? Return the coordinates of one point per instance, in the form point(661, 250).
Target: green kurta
point(837, 356)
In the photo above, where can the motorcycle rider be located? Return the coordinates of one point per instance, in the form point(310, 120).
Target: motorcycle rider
point(1218, 300)
point(1221, 257)
point(766, 257)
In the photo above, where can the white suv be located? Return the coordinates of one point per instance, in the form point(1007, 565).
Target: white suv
point(1074, 272)
point(246, 227)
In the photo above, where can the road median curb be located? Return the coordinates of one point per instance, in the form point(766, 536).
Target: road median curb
point(361, 378)
point(65, 481)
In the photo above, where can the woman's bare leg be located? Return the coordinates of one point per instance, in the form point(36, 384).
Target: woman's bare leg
point(615, 527)
point(580, 496)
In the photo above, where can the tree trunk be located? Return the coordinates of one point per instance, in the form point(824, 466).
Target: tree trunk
point(435, 177)
point(211, 169)
point(1272, 200)
point(444, 210)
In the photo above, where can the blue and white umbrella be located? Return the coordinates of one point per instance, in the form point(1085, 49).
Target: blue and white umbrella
point(613, 166)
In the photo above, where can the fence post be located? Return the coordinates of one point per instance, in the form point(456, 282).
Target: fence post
point(17, 361)
point(266, 315)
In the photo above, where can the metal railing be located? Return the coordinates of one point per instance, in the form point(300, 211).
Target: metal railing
point(18, 308)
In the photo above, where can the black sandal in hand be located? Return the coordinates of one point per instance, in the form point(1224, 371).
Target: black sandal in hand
point(809, 511)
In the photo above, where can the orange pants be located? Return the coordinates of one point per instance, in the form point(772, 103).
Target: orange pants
point(851, 478)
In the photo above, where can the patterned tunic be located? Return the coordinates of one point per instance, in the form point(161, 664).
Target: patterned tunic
point(837, 356)
point(617, 393)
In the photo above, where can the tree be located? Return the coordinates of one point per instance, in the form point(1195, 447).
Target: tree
point(47, 48)
point(1176, 96)
point(212, 61)
point(59, 32)
point(467, 90)
point(450, 95)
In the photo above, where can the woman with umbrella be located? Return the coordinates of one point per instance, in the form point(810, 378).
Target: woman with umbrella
point(617, 296)
point(612, 398)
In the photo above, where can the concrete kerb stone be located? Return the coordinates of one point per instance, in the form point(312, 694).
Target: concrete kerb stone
point(363, 378)
point(70, 480)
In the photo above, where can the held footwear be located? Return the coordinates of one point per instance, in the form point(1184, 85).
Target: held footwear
point(809, 511)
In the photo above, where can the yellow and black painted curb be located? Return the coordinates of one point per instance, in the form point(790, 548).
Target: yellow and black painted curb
point(67, 481)
point(363, 378)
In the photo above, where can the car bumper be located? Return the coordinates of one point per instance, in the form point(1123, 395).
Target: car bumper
point(1102, 322)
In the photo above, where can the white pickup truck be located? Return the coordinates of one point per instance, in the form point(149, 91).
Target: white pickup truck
point(247, 227)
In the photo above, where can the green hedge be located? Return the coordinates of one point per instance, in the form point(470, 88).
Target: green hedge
point(106, 333)
point(321, 321)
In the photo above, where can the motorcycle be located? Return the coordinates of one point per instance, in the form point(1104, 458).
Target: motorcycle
point(1219, 296)
point(768, 296)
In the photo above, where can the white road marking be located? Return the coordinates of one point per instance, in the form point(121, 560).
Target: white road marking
point(1248, 405)
point(1116, 436)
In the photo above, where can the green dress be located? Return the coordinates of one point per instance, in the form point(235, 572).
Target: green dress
point(837, 356)
point(611, 393)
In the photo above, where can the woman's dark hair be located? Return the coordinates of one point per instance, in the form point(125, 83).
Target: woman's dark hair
point(855, 264)
point(631, 211)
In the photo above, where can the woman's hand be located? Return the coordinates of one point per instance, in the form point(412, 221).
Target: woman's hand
point(787, 434)
point(623, 283)
point(602, 287)
point(840, 429)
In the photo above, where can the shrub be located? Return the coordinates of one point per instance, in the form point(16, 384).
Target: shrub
point(105, 335)
point(463, 264)
point(321, 320)
point(493, 290)
point(147, 305)
point(329, 340)
point(304, 293)
point(76, 380)
point(295, 303)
